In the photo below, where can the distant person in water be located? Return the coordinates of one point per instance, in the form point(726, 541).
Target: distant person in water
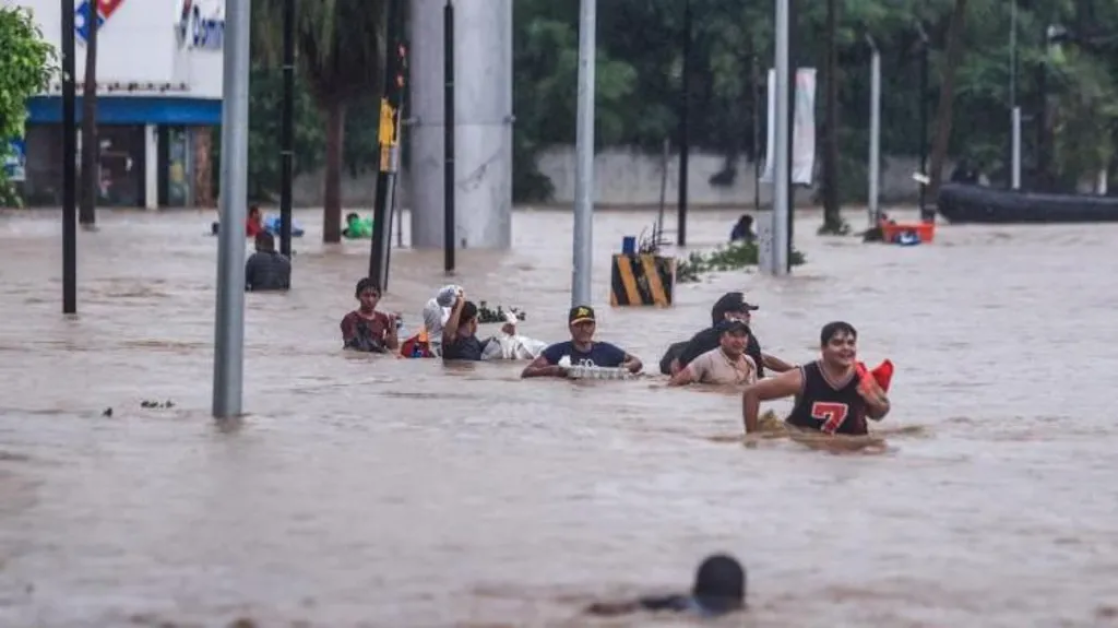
point(357, 228)
point(581, 349)
point(366, 329)
point(743, 230)
point(254, 223)
point(267, 270)
point(719, 588)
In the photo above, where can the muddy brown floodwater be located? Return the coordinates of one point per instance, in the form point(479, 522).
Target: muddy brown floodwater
point(364, 491)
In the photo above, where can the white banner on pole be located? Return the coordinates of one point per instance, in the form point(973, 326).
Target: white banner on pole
point(803, 128)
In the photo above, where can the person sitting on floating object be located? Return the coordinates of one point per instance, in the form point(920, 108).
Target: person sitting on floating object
point(581, 349)
point(365, 329)
point(719, 589)
point(743, 230)
point(727, 364)
point(460, 340)
point(834, 395)
point(731, 306)
point(357, 228)
point(266, 270)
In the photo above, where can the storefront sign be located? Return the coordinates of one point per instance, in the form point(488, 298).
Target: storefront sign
point(201, 28)
point(105, 10)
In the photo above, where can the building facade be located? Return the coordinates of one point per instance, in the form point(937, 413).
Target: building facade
point(159, 84)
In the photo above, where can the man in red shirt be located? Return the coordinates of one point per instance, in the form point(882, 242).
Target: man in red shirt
point(366, 329)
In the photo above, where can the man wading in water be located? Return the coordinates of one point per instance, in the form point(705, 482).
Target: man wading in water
point(732, 306)
point(831, 397)
point(726, 365)
point(581, 348)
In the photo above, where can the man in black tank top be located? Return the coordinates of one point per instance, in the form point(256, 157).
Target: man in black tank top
point(830, 398)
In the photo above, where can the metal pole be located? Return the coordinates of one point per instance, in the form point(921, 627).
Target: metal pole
point(69, 165)
point(664, 158)
point(684, 126)
point(449, 229)
point(387, 138)
point(875, 132)
point(1015, 111)
point(584, 147)
point(287, 150)
point(229, 327)
point(755, 71)
point(782, 179)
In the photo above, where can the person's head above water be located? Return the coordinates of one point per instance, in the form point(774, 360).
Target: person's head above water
point(734, 336)
point(467, 320)
point(368, 293)
point(265, 242)
point(839, 344)
point(582, 323)
point(731, 305)
point(352, 217)
point(720, 584)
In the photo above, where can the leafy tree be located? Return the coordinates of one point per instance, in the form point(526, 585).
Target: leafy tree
point(25, 70)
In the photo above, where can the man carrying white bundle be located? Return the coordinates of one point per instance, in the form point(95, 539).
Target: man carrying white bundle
point(436, 313)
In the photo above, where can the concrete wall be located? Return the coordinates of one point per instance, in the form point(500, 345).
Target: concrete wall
point(629, 178)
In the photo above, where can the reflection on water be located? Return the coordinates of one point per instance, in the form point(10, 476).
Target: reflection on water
point(364, 490)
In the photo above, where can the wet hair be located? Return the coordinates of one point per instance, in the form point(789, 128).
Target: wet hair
point(350, 217)
point(830, 330)
point(469, 312)
point(265, 241)
point(253, 209)
point(365, 284)
point(720, 583)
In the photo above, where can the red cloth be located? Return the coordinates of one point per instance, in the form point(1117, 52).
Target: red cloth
point(882, 374)
point(252, 228)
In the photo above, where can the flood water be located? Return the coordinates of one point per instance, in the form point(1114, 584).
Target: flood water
point(367, 491)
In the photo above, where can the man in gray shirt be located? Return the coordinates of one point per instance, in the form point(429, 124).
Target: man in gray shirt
point(267, 270)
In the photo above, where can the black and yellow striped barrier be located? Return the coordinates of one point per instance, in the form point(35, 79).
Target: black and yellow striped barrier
point(641, 279)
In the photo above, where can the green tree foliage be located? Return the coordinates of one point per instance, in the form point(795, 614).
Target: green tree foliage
point(26, 64)
point(639, 61)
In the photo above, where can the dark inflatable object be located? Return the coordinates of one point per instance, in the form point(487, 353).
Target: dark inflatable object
point(960, 203)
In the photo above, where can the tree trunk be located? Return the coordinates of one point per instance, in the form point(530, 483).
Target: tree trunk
point(332, 194)
point(90, 171)
point(202, 139)
point(946, 97)
point(832, 218)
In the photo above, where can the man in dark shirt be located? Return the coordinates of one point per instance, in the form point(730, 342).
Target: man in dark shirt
point(460, 332)
point(719, 589)
point(732, 306)
point(267, 269)
point(581, 349)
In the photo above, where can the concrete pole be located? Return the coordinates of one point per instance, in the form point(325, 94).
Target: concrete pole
point(875, 134)
point(584, 146)
point(1016, 116)
point(229, 327)
point(782, 189)
point(483, 133)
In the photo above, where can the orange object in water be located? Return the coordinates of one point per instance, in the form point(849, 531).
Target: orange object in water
point(926, 231)
point(882, 374)
point(422, 335)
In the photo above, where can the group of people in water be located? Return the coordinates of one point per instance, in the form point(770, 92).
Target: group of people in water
point(834, 394)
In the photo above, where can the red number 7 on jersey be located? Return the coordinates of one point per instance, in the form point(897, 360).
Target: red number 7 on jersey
point(832, 414)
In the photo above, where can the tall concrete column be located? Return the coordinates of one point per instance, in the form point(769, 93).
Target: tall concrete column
point(483, 137)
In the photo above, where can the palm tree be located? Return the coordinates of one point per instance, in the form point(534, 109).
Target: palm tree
point(90, 179)
point(340, 46)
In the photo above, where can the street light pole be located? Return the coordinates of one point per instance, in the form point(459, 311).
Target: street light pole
point(1015, 111)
